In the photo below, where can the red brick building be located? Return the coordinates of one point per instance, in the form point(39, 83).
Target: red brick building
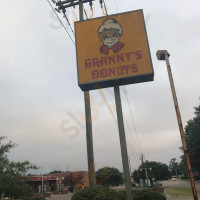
point(56, 183)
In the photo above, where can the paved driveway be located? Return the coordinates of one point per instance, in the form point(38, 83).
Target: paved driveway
point(60, 197)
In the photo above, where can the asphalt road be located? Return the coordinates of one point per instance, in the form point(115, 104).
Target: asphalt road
point(60, 197)
point(170, 183)
point(179, 183)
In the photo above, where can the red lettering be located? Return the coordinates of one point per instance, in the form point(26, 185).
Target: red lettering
point(128, 56)
point(95, 62)
point(111, 71)
point(119, 70)
point(87, 63)
point(103, 61)
point(138, 55)
point(111, 59)
point(103, 73)
point(120, 57)
point(134, 68)
point(95, 74)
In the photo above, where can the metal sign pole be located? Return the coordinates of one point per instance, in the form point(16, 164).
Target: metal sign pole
point(164, 55)
point(122, 138)
point(88, 118)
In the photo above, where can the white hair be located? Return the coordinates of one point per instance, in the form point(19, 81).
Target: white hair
point(110, 24)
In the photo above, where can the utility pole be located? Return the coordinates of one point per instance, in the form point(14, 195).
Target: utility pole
point(146, 174)
point(164, 55)
point(62, 5)
point(88, 118)
point(142, 158)
point(122, 137)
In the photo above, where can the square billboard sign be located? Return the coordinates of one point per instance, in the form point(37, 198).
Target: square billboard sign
point(113, 50)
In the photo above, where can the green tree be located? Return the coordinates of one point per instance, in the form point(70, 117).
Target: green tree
point(192, 136)
point(159, 171)
point(56, 172)
point(12, 174)
point(73, 179)
point(109, 176)
point(173, 166)
point(182, 168)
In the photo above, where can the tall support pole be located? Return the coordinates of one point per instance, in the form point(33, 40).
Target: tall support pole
point(88, 118)
point(122, 138)
point(147, 177)
point(164, 55)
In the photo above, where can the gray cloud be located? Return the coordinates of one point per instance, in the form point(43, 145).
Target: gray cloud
point(38, 87)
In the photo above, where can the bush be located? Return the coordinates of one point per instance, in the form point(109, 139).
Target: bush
point(147, 195)
point(34, 198)
point(98, 193)
point(103, 193)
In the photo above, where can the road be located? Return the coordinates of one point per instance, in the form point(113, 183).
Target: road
point(60, 197)
point(179, 183)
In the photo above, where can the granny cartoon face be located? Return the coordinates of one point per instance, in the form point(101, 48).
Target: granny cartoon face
point(109, 33)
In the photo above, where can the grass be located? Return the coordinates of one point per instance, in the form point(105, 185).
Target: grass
point(177, 192)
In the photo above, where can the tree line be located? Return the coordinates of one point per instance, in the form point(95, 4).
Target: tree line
point(13, 174)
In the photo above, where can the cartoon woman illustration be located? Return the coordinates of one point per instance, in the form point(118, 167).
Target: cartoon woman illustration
point(109, 33)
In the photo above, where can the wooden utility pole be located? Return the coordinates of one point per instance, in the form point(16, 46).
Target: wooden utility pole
point(122, 137)
point(164, 55)
point(88, 118)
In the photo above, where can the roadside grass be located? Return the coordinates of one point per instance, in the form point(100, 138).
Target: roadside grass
point(177, 192)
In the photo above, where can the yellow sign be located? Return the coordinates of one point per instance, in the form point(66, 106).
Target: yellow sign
point(113, 50)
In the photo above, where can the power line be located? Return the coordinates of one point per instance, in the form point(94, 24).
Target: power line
point(61, 22)
point(131, 149)
point(101, 92)
point(74, 14)
point(117, 5)
point(133, 120)
point(85, 13)
point(109, 109)
point(105, 7)
point(126, 125)
point(65, 16)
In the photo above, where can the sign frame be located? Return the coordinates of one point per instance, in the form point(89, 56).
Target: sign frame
point(146, 77)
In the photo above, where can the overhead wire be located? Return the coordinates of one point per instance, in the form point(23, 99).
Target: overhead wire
point(61, 22)
point(105, 7)
point(100, 91)
point(105, 100)
point(133, 149)
point(68, 22)
point(126, 125)
point(117, 6)
point(85, 12)
point(133, 120)
point(74, 14)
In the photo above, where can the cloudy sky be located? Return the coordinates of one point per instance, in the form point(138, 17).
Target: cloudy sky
point(42, 107)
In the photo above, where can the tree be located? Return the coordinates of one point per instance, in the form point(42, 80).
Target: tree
point(109, 176)
point(182, 168)
point(73, 179)
point(12, 174)
point(159, 171)
point(173, 166)
point(192, 136)
point(56, 172)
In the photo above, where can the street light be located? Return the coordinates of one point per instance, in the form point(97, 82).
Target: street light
point(164, 55)
point(146, 174)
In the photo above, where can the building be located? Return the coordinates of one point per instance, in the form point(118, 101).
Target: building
point(57, 183)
